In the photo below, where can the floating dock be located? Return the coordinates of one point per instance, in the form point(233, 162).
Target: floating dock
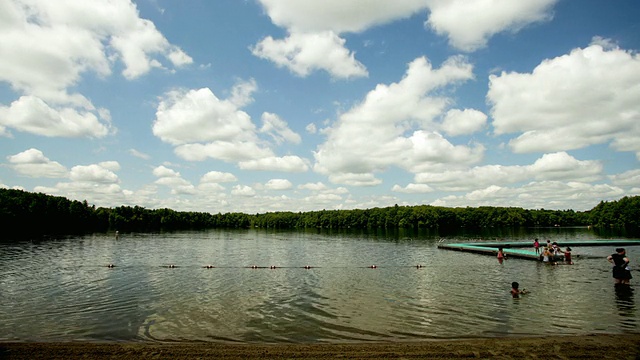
point(515, 249)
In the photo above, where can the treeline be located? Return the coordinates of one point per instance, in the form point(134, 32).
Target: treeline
point(25, 213)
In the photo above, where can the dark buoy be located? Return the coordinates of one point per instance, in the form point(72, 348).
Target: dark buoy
point(418, 266)
point(171, 266)
point(272, 267)
point(208, 266)
point(111, 266)
point(373, 267)
point(307, 267)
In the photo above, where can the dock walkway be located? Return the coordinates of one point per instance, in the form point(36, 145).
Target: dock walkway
point(515, 249)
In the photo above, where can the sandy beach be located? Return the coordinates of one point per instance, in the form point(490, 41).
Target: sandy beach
point(564, 347)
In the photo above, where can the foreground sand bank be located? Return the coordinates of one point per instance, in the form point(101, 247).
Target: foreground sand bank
point(565, 347)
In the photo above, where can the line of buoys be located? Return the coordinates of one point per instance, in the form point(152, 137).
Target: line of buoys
point(173, 266)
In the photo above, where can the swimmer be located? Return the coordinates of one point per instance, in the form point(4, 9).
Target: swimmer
point(515, 290)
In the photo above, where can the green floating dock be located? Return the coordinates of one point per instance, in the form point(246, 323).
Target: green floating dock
point(515, 249)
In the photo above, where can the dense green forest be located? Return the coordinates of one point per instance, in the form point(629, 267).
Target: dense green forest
point(26, 214)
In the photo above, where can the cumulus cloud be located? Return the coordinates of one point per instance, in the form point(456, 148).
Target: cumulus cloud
point(589, 96)
point(463, 122)
point(555, 166)
point(139, 154)
point(278, 129)
point(203, 126)
point(289, 163)
point(303, 53)
point(199, 116)
point(337, 15)
point(314, 27)
point(388, 113)
point(46, 46)
point(313, 186)
point(470, 23)
point(173, 180)
point(536, 195)
point(243, 190)
point(33, 163)
point(412, 189)
point(278, 184)
point(93, 174)
point(241, 94)
point(31, 114)
point(218, 177)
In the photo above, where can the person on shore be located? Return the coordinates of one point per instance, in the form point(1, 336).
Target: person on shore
point(567, 256)
point(621, 270)
point(515, 290)
point(536, 245)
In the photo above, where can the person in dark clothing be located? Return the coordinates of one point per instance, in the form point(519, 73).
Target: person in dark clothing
point(621, 270)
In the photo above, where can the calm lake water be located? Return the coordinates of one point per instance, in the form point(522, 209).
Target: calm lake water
point(61, 289)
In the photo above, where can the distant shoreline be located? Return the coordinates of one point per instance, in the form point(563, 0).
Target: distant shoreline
point(601, 346)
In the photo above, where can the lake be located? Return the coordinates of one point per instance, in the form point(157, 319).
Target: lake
point(61, 289)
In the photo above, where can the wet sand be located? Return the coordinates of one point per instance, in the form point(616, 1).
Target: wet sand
point(599, 346)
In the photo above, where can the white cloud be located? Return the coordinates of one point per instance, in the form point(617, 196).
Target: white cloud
point(470, 23)
point(218, 177)
point(388, 113)
point(93, 174)
point(139, 154)
point(223, 150)
point(289, 163)
point(313, 186)
point(243, 190)
point(463, 122)
point(412, 189)
point(33, 163)
point(199, 116)
point(46, 46)
point(354, 179)
point(163, 172)
point(278, 184)
point(173, 180)
point(311, 128)
point(587, 97)
point(241, 94)
point(577, 196)
point(629, 178)
point(278, 129)
point(31, 114)
point(303, 53)
point(556, 166)
point(338, 15)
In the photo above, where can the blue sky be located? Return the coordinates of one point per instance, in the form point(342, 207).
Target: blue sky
point(299, 105)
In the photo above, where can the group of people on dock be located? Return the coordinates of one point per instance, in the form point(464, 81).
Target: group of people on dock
point(551, 253)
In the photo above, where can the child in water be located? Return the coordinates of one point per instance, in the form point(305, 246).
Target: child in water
point(515, 290)
point(567, 256)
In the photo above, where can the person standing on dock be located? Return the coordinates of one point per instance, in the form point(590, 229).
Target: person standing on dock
point(621, 270)
point(536, 245)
